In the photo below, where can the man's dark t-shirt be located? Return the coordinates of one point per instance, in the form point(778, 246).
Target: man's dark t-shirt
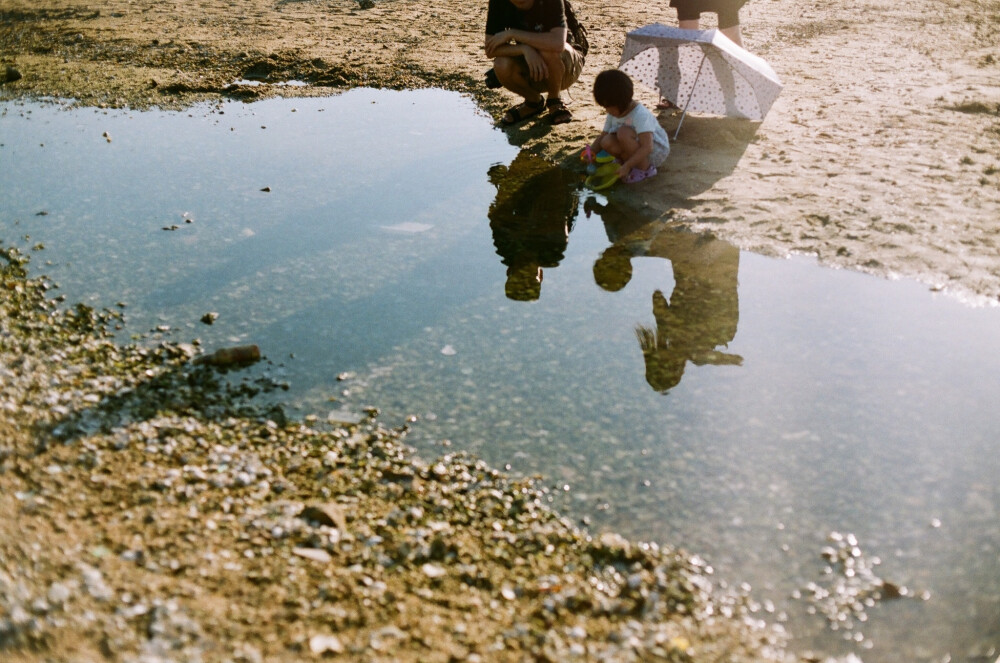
point(543, 16)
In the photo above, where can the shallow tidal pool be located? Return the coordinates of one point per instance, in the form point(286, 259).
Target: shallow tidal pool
point(813, 433)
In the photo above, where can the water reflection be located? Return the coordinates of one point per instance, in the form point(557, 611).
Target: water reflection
point(863, 406)
point(703, 310)
point(531, 218)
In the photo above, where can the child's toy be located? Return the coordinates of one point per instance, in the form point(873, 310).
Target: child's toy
point(603, 176)
point(592, 160)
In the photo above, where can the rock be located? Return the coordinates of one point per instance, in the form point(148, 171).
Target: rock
point(11, 74)
point(344, 416)
point(315, 554)
point(243, 354)
point(433, 571)
point(386, 638)
point(321, 644)
point(59, 593)
point(329, 514)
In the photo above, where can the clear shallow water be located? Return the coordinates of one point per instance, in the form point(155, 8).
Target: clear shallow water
point(397, 248)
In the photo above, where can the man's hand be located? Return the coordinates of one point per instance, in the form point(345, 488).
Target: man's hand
point(537, 68)
point(554, 41)
point(493, 42)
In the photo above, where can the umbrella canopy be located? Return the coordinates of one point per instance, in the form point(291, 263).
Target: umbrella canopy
point(700, 70)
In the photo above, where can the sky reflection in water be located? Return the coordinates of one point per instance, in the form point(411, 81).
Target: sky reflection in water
point(739, 406)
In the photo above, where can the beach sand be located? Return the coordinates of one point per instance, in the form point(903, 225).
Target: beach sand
point(882, 154)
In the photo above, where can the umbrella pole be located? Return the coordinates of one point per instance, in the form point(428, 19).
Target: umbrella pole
point(688, 102)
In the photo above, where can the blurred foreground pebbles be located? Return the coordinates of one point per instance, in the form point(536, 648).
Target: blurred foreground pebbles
point(150, 511)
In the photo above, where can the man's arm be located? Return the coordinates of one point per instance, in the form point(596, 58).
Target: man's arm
point(553, 41)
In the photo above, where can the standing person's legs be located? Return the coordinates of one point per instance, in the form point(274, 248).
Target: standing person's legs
point(733, 33)
point(689, 13)
point(688, 18)
point(729, 19)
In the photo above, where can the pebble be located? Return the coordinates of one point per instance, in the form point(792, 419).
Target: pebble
point(321, 644)
point(433, 571)
point(315, 554)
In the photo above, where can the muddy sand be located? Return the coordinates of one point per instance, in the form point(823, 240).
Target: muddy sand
point(882, 153)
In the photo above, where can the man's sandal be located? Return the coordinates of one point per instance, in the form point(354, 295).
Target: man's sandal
point(558, 113)
point(521, 112)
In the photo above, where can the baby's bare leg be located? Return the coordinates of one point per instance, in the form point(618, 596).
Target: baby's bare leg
point(629, 141)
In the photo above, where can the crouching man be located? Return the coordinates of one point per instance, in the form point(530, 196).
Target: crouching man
point(538, 48)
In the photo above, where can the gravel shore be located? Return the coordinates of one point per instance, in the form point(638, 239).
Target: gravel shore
point(149, 511)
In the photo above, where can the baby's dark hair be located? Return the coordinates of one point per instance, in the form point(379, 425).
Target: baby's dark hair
point(613, 87)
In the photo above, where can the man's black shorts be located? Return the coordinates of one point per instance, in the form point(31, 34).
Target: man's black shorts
point(691, 10)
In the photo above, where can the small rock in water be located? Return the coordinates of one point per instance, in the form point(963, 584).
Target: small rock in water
point(243, 354)
point(344, 417)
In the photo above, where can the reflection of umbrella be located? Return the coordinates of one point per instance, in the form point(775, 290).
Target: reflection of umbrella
point(700, 70)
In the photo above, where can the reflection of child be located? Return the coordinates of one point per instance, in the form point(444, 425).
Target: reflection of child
point(631, 133)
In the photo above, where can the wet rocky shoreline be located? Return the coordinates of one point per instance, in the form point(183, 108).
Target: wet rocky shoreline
point(152, 512)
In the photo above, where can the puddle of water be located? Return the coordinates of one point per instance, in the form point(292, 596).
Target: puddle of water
point(670, 386)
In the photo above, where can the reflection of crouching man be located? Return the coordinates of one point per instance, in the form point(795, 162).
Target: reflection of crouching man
point(537, 46)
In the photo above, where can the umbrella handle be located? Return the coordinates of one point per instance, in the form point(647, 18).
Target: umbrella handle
point(704, 56)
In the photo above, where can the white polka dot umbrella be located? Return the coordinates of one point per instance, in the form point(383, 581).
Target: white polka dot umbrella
point(701, 71)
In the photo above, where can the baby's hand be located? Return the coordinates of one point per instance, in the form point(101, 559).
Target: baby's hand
point(587, 156)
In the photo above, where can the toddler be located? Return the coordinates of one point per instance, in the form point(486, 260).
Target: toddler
point(631, 133)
